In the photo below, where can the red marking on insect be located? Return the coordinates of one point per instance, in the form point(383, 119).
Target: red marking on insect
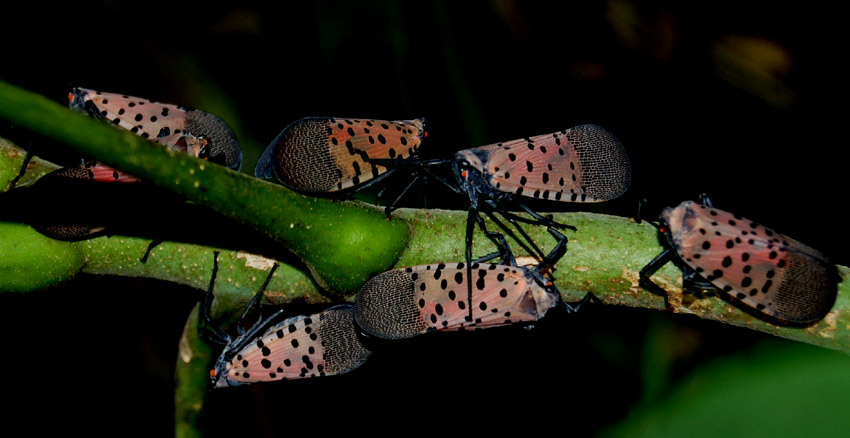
point(326, 155)
point(766, 271)
point(406, 302)
point(185, 129)
point(91, 171)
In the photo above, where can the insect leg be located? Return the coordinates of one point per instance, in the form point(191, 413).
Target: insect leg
point(692, 281)
point(557, 252)
point(504, 250)
point(471, 218)
point(240, 324)
point(544, 220)
point(704, 200)
point(23, 169)
point(205, 324)
point(514, 219)
point(650, 268)
point(572, 308)
point(526, 241)
point(154, 243)
point(392, 206)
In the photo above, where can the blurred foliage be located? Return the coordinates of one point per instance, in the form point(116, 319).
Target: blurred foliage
point(727, 97)
point(774, 390)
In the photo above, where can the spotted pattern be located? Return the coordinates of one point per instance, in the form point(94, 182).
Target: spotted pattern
point(184, 129)
point(92, 171)
point(323, 344)
point(407, 302)
point(765, 270)
point(582, 164)
point(322, 155)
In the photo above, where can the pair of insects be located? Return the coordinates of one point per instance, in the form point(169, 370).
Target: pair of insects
point(186, 130)
point(768, 272)
point(397, 304)
point(331, 155)
point(324, 155)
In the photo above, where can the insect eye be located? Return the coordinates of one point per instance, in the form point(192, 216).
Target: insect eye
point(212, 373)
point(70, 97)
point(205, 152)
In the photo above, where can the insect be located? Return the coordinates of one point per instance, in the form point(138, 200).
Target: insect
point(188, 130)
point(406, 302)
point(92, 171)
point(322, 344)
point(322, 155)
point(766, 271)
point(582, 164)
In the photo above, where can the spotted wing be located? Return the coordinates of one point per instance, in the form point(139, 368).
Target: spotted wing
point(328, 154)
point(582, 164)
point(322, 344)
point(765, 270)
point(406, 302)
point(161, 122)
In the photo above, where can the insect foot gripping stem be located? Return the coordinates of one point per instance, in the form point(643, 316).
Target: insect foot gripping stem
point(322, 344)
point(769, 273)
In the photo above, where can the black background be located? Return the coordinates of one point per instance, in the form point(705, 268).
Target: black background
point(762, 135)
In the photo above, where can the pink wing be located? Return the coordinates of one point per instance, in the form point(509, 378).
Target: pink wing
point(322, 344)
point(411, 301)
point(164, 123)
point(764, 269)
point(583, 164)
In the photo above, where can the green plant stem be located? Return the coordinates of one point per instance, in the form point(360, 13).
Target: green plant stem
point(337, 241)
point(603, 257)
point(343, 244)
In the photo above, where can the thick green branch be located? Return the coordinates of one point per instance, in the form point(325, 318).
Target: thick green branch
point(603, 257)
point(343, 244)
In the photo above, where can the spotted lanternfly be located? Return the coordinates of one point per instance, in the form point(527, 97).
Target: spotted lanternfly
point(410, 301)
point(92, 171)
point(764, 270)
point(100, 173)
point(188, 130)
point(322, 344)
point(582, 164)
point(320, 155)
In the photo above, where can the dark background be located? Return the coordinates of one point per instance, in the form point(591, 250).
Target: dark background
point(740, 101)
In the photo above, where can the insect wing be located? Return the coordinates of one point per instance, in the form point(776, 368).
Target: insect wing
point(406, 302)
point(762, 268)
point(582, 164)
point(322, 344)
point(92, 171)
point(164, 123)
point(322, 155)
